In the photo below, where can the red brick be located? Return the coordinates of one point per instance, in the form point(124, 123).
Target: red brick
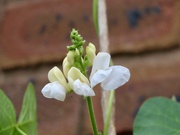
point(152, 74)
point(35, 32)
point(38, 31)
point(138, 25)
point(54, 117)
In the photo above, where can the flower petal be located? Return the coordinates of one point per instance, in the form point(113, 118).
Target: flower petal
point(55, 74)
point(75, 74)
point(81, 88)
point(91, 53)
point(99, 77)
point(54, 90)
point(46, 90)
point(101, 61)
point(118, 77)
point(66, 67)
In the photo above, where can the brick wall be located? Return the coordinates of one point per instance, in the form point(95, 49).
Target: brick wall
point(144, 36)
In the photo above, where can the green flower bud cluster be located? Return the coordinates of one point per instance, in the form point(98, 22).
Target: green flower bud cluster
point(77, 40)
point(75, 56)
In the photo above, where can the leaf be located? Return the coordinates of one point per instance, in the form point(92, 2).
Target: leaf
point(17, 131)
point(27, 122)
point(7, 115)
point(158, 116)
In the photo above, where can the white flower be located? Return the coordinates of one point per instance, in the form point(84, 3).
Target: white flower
point(54, 90)
point(58, 87)
point(110, 77)
point(79, 83)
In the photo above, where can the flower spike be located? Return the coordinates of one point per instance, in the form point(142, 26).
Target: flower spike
point(75, 72)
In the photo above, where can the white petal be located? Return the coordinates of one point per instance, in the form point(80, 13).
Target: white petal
point(54, 90)
point(46, 90)
point(83, 89)
point(58, 91)
point(101, 61)
point(99, 76)
point(118, 77)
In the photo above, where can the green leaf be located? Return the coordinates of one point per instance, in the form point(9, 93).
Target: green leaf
point(7, 115)
point(27, 122)
point(158, 116)
point(18, 131)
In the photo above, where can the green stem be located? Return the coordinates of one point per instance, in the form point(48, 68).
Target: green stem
point(95, 15)
point(109, 112)
point(92, 116)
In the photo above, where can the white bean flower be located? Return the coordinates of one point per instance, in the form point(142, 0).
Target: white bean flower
point(79, 83)
point(75, 67)
point(110, 77)
point(58, 87)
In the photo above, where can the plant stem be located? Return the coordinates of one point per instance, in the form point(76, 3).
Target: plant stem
point(92, 116)
point(107, 97)
point(108, 114)
point(95, 15)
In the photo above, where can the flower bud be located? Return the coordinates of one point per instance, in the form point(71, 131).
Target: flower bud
point(90, 52)
point(66, 67)
point(92, 46)
point(70, 57)
point(77, 53)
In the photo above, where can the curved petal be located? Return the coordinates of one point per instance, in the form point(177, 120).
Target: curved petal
point(58, 91)
point(81, 88)
point(118, 77)
point(101, 61)
point(99, 77)
point(66, 67)
point(54, 90)
point(55, 74)
point(91, 53)
point(70, 57)
point(46, 90)
point(71, 83)
point(75, 74)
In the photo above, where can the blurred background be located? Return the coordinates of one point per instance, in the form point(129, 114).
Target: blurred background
point(144, 37)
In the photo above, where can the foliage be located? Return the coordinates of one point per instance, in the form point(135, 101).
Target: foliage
point(27, 122)
point(158, 116)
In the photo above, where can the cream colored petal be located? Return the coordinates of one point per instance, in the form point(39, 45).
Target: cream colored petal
point(70, 57)
point(55, 74)
point(81, 88)
point(54, 90)
point(66, 67)
point(118, 77)
point(75, 74)
point(71, 83)
point(101, 61)
point(92, 46)
point(90, 54)
point(99, 77)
